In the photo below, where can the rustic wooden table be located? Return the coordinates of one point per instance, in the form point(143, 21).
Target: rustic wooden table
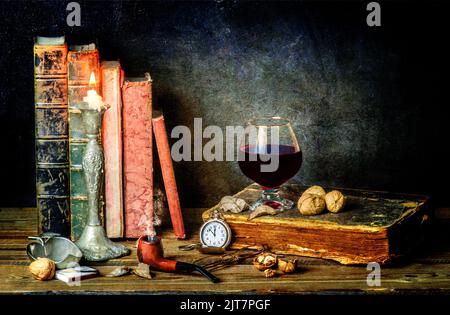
point(428, 271)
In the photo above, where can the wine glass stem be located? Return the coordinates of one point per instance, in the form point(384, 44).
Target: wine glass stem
point(270, 194)
point(272, 198)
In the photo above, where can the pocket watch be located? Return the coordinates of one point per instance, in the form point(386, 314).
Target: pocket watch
point(215, 236)
point(215, 232)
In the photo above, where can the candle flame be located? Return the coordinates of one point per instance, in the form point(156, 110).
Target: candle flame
point(92, 81)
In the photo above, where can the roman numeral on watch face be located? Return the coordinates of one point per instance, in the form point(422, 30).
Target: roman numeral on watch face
point(214, 234)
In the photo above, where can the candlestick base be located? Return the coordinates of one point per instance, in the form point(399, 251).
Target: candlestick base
point(97, 247)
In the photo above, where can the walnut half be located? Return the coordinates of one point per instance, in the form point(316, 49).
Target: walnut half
point(265, 261)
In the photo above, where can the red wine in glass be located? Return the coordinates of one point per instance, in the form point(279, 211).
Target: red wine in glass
point(270, 155)
point(289, 162)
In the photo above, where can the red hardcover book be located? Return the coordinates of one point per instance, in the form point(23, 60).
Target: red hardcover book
point(170, 184)
point(112, 79)
point(137, 156)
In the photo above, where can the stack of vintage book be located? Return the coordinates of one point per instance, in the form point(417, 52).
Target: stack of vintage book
point(62, 78)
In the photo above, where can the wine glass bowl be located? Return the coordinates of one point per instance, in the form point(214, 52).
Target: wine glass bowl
point(270, 155)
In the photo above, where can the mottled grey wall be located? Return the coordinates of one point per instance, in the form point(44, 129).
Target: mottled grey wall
point(358, 97)
point(231, 67)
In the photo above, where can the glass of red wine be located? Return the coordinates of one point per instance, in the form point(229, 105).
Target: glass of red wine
point(270, 155)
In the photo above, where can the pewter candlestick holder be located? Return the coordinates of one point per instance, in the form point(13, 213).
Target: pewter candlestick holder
point(93, 241)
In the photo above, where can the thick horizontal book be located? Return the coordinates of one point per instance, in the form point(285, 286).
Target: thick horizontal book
point(112, 79)
point(137, 156)
point(51, 133)
point(168, 174)
point(373, 227)
point(83, 60)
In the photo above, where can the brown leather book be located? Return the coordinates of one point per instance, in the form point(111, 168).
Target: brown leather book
point(51, 132)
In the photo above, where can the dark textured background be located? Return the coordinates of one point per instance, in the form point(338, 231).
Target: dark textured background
point(368, 104)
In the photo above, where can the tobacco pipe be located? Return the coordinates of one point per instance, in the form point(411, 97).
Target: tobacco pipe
point(150, 252)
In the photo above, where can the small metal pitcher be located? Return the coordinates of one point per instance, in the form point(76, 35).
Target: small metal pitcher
point(57, 248)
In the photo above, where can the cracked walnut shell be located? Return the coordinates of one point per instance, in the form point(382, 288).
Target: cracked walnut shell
point(265, 261)
point(315, 190)
point(270, 273)
point(287, 266)
point(311, 204)
point(335, 201)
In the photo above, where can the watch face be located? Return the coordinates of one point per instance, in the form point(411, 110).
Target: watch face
point(214, 234)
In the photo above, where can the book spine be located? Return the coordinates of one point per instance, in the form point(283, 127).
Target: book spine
point(137, 157)
point(170, 185)
point(81, 63)
point(112, 79)
point(50, 83)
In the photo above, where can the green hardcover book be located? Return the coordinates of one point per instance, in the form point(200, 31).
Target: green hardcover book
point(84, 66)
point(52, 165)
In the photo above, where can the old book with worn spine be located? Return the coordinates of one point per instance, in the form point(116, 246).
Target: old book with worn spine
point(52, 164)
point(112, 79)
point(83, 60)
point(373, 227)
point(170, 184)
point(137, 155)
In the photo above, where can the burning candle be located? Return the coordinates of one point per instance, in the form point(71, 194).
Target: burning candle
point(94, 100)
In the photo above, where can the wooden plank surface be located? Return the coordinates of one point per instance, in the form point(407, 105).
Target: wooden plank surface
point(18, 222)
point(427, 272)
point(243, 278)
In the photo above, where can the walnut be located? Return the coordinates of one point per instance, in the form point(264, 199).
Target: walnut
point(287, 266)
point(335, 201)
point(315, 190)
point(265, 261)
point(270, 273)
point(310, 204)
point(43, 269)
point(303, 197)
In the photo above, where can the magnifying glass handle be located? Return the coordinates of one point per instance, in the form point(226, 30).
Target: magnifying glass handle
point(203, 249)
point(188, 247)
